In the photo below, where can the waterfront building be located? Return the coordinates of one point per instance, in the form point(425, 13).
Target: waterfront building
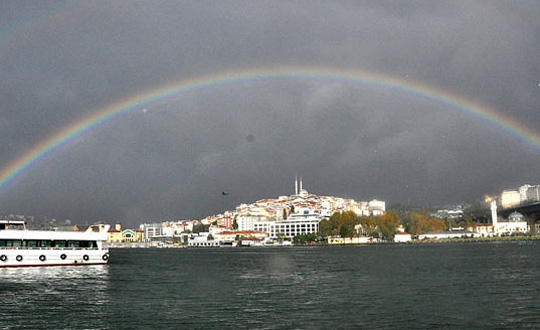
point(483, 229)
point(119, 235)
point(447, 234)
point(338, 240)
point(515, 223)
point(306, 221)
point(231, 235)
point(201, 240)
point(152, 230)
point(402, 237)
point(114, 236)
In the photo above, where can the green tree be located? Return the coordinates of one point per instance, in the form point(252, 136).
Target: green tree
point(388, 224)
point(234, 224)
point(348, 220)
point(304, 238)
point(369, 225)
point(327, 228)
point(421, 223)
point(200, 228)
point(340, 223)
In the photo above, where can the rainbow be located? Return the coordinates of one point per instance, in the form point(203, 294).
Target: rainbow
point(54, 143)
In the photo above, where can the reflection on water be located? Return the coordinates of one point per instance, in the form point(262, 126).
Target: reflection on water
point(451, 286)
point(56, 273)
point(54, 297)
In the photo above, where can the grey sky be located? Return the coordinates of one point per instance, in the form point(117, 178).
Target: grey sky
point(61, 61)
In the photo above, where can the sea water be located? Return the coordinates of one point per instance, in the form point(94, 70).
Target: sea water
point(415, 286)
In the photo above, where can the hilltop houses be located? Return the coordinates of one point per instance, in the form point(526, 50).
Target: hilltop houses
point(274, 218)
point(300, 213)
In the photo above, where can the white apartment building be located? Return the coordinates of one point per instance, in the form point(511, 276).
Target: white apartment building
point(529, 193)
point(510, 198)
point(301, 223)
point(245, 222)
point(152, 230)
point(377, 207)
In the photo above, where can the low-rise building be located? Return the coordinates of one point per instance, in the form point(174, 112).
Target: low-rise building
point(402, 237)
point(231, 235)
point(119, 235)
point(515, 223)
point(202, 240)
point(338, 240)
point(447, 234)
point(483, 229)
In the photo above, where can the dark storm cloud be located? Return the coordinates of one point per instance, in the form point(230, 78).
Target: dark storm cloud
point(174, 159)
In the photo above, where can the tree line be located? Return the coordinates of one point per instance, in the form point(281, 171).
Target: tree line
point(349, 224)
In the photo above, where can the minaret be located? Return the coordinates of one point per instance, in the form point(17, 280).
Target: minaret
point(300, 183)
point(296, 185)
point(494, 215)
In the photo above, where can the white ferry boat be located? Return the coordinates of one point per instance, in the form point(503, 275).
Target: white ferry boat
point(20, 247)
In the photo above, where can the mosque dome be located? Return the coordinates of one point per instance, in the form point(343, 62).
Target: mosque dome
point(516, 217)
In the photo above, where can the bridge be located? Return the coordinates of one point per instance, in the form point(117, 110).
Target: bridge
point(530, 210)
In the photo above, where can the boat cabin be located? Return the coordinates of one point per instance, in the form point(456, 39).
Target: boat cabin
point(12, 225)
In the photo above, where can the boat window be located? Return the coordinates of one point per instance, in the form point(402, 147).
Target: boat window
point(88, 244)
point(46, 243)
point(73, 244)
point(2, 243)
point(60, 244)
point(14, 243)
point(32, 243)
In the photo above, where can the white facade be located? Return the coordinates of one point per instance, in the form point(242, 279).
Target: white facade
point(529, 193)
point(448, 234)
point(377, 207)
point(245, 223)
point(20, 247)
point(229, 236)
point(168, 231)
point(402, 237)
point(514, 224)
point(304, 222)
point(511, 227)
point(202, 241)
point(510, 198)
point(152, 230)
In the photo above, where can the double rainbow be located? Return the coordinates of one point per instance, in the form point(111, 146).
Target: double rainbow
point(48, 147)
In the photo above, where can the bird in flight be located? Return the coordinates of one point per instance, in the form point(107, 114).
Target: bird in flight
point(224, 193)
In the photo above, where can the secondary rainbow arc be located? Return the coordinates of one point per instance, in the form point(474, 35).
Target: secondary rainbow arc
point(54, 143)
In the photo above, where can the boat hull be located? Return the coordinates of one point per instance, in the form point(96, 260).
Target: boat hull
point(52, 257)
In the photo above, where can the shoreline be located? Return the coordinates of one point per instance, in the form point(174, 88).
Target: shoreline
point(414, 242)
point(478, 239)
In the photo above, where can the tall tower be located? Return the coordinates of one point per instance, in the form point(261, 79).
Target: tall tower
point(296, 185)
point(300, 183)
point(494, 215)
